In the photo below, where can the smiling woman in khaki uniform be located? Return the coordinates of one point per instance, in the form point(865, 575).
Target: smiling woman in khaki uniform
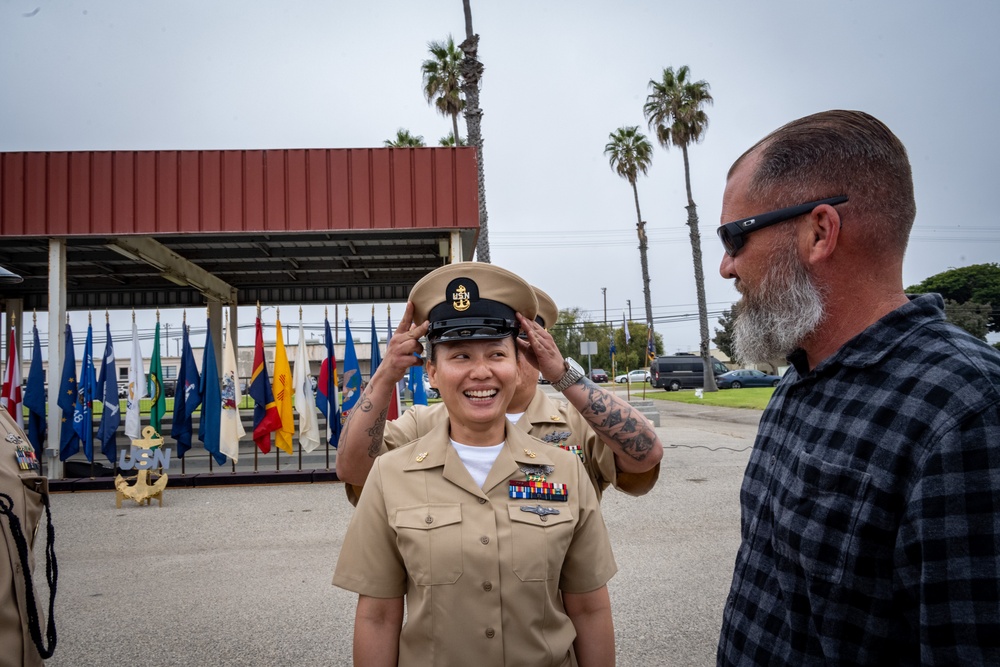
point(496, 540)
point(616, 442)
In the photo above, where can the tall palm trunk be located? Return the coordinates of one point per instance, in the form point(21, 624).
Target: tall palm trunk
point(454, 128)
point(699, 277)
point(640, 227)
point(472, 71)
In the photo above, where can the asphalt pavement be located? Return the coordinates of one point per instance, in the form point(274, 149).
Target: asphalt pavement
point(240, 575)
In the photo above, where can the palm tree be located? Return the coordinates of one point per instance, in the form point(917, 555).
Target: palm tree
point(441, 80)
point(404, 140)
point(630, 153)
point(674, 110)
point(450, 141)
point(472, 73)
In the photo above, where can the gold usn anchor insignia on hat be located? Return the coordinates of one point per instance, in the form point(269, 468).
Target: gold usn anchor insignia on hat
point(460, 299)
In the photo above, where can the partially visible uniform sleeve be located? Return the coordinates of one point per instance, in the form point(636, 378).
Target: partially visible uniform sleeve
point(589, 562)
point(948, 549)
point(403, 430)
point(369, 563)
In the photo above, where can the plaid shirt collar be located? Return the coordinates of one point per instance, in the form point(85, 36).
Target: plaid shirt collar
point(873, 344)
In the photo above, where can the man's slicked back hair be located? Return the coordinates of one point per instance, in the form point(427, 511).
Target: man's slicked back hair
point(839, 153)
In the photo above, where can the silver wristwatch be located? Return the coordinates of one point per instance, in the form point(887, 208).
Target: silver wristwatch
point(572, 375)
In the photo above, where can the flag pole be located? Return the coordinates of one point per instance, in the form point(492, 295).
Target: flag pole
point(293, 390)
point(208, 327)
point(91, 434)
point(277, 450)
point(226, 333)
point(184, 320)
point(326, 319)
point(255, 448)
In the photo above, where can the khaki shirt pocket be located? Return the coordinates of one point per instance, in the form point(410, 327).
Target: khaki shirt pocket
point(539, 542)
point(429, 538)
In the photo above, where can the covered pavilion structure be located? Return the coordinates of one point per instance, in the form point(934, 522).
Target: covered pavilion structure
point(95, 230)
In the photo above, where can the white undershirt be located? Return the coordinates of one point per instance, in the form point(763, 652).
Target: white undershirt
point(478, 460)
point(514, 417)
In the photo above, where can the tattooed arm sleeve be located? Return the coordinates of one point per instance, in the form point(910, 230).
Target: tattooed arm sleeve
point(624, 429)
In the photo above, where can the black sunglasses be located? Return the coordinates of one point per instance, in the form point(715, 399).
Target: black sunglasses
point(732, 233)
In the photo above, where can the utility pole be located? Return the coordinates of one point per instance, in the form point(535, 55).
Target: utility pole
point(629, 303)
point(604, 292)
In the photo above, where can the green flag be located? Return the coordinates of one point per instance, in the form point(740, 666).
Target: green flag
point(159, 401)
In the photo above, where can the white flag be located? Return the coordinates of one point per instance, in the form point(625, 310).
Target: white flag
point(305, 401)
point(136, 389)
point(230, 425)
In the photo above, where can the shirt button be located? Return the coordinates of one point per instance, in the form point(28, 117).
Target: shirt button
point(544, 518)
point(429, 520)
point(481, 500)
point(484, 539)
point(772, 461)
point(490, 633)
point(487, 586)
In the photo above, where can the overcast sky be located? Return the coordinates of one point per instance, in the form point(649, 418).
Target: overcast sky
point(560, 76)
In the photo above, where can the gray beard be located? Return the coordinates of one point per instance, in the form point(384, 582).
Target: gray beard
point(777, 315)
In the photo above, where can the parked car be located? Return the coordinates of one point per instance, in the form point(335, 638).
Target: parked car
point(682, 371)
point(633, 377)
point(429, 390)
point(599, 375)
point(542, 380)
point(746, 378)
point(123, 390)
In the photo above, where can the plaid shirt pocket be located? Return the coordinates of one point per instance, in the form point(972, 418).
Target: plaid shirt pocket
point(815, 516)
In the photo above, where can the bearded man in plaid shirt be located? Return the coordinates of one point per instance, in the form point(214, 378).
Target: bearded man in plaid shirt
point(871, 502)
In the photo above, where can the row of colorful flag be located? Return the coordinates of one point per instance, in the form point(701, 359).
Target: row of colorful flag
point(276, 401)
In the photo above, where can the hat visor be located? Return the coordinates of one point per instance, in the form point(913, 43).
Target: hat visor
point(472, 328)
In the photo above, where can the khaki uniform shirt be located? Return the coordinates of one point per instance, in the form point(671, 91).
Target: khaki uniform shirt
point(482, 578)
point(557, 421)
point(25, 487)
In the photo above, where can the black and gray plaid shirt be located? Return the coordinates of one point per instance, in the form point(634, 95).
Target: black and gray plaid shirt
point(871, 506)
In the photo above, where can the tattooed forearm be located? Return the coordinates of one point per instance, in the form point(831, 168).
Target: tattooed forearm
point(375, 433)
point(618, 423)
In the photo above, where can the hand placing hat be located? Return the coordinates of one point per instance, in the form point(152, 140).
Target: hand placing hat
point(404, 347)
point(472, 300)
point(540, 349)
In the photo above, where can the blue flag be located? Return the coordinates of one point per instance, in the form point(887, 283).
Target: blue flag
point(211, 403)
point(187, 398)
point(107, 389)
point(326, 391)
point(69, 442)
point(376, 353)
point(34, 397)
point(417, 385)
point(83, 413)
point(352, 372)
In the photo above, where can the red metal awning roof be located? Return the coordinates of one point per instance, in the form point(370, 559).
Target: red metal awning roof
point(289, 225)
